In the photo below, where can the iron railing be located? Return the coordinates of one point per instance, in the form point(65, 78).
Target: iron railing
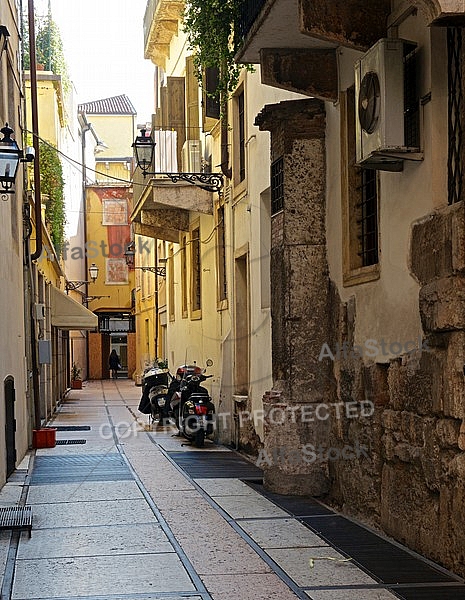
point(249, 12)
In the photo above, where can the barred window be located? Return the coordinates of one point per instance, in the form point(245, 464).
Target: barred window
point(455, 110)
point(277, 186)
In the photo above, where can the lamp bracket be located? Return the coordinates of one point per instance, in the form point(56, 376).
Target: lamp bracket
point(160, 271)
point(211, 182)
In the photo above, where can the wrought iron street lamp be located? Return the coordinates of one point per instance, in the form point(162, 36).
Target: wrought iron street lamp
point(144, 150)
point(10, 157)
point(129, 255)
point(74, 285)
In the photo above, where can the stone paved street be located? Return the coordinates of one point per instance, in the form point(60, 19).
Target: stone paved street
point(116, 518)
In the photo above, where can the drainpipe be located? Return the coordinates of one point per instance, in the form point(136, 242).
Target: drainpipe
point(35, 131)
point(37, 209)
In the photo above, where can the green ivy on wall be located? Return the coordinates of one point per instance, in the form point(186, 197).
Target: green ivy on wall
point(209, 26)
point(49, 48)
point(52, 188)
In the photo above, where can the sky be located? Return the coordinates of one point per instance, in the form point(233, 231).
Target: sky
point(103, 42)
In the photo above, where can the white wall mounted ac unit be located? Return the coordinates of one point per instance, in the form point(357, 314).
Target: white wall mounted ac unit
point(191, 156)
point(380, 106)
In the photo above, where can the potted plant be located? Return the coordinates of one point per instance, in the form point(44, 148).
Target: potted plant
point(76, 381)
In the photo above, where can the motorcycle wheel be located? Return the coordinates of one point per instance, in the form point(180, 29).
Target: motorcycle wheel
point(199, 439)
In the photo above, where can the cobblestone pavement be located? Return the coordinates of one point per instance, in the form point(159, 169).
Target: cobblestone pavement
point(116, 518)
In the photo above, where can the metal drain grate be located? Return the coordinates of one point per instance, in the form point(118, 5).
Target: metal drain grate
point(395, 568)
point(213, 464)
point(16, 517)
point(76, 468)
point(65, 442)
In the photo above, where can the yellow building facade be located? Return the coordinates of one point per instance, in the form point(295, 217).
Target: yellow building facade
point(108, 232)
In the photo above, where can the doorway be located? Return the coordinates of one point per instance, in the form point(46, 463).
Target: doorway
point(120, 344)
point(10, 424)
point(242, 341)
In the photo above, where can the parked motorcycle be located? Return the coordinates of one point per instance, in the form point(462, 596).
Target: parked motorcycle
point(191, 404)
point(155, 398)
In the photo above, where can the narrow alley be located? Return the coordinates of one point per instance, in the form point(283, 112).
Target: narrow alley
point(122, 511)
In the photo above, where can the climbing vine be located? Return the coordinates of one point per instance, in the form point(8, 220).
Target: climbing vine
point(52, 188)
point(209, 26)
point(49, 47)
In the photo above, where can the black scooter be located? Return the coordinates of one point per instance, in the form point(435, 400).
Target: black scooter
point(193, 408)
point(155, 399)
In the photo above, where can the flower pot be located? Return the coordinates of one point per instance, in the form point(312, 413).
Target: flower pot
point(44, 438)
point(76, 384)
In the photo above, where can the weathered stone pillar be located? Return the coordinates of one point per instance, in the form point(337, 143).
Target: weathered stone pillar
point(300, 302)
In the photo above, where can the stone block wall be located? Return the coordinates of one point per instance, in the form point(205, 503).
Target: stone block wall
point(412, 481)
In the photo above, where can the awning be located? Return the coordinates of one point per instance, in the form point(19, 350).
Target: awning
point(69, 314)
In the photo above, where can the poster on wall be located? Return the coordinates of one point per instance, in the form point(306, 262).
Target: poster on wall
point(116, 270)
point(115, 212)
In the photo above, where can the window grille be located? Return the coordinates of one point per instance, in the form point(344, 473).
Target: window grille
point(277, 186)
point(455, 109)
point(368, 220)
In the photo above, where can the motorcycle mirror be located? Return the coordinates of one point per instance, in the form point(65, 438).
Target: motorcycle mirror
point(209, 362)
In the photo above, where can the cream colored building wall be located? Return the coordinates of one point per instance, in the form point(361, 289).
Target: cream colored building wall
point(247, 225)
point(12, 341)
point(116, 131)
point(388, 307)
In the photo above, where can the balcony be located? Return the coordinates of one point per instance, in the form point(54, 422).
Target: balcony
point(271, 24)
point(161, 206)
point(309, 25)
point(161, 23)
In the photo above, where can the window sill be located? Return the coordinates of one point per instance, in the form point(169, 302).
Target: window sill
point(361, 275)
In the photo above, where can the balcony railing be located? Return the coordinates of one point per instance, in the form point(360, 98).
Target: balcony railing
point(249, 12)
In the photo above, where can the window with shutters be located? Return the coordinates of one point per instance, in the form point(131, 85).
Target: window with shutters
point(183, 256)
point(211, 102)
point(171, 287)
point(192, 101)
point(239, 138)
point(221, 257)
point(196, 268)
point(359, 195)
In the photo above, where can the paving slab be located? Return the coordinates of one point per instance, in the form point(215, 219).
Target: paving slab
point(250, 506)
point(225, 487)
point(10, 494)
point(95, 541)
point(83, 492)
point(102, 575)
point(281, 533)
point(81, 514)
point(360, 594)
point(325, 572)
point(248, 587)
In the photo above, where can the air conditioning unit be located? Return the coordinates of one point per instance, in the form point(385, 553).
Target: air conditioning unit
point(383, 131)
point(191, 156)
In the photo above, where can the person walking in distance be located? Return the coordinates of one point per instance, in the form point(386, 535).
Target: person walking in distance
point(114, 364)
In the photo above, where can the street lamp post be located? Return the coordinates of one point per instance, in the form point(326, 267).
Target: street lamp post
point(144, 150)
point(74, 285)
point(10, 157)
